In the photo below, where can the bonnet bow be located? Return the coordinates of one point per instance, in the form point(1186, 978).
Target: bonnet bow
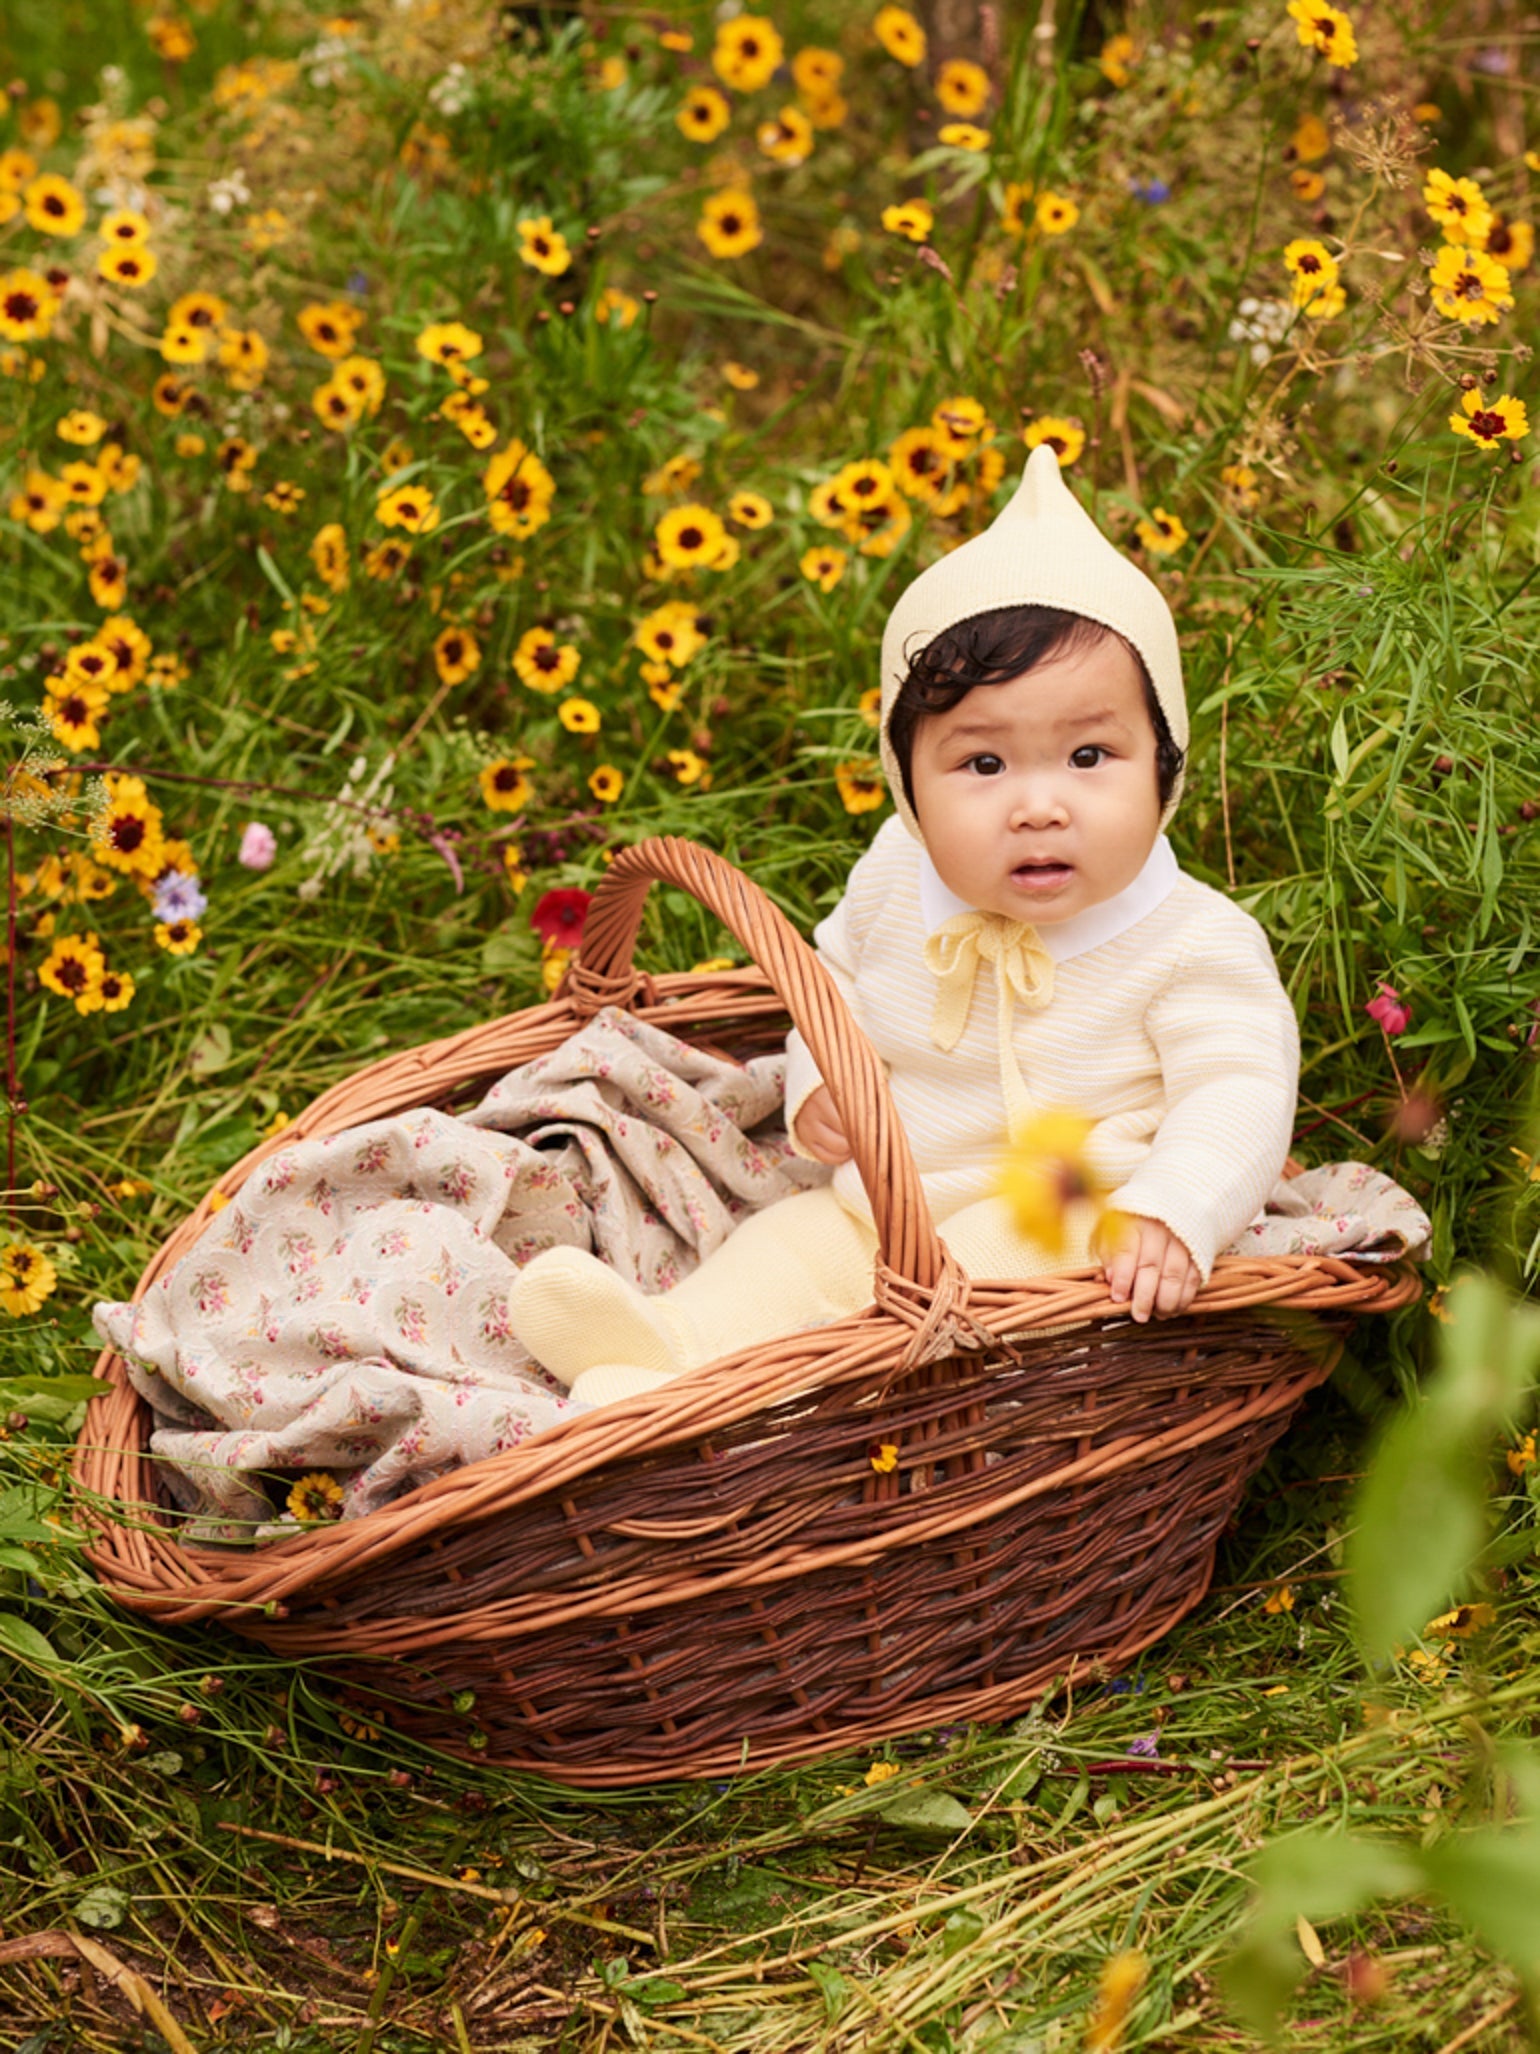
point(1023, 974)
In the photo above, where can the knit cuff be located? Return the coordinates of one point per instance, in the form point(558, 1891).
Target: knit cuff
point(1192, 1224)
point(803, 1078)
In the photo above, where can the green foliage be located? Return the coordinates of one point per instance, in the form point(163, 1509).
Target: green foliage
point(1422, 1519)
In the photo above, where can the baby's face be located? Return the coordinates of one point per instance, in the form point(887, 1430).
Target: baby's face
point(1038, 798)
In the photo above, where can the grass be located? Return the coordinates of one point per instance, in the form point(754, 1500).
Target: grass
point(207, 1816)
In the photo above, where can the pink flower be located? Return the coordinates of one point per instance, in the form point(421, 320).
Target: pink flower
point(259, 845)
point(1386, 1008)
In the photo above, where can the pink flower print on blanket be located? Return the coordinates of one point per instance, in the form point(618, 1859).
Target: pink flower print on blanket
point(298, 1251)
point(372, 1157)
point(266, 1323)
point(323, 1198)
point(280, 1173)
point(457, 1181)
point(210, 1291)
point(360, 1290)
point(240, 1233)
point(331, 1342)
point(492, 1316)
point(447, 1274)
point(394, 1243)
point(411, 1317)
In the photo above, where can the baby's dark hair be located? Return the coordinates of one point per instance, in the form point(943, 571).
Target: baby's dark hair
point(991, 649)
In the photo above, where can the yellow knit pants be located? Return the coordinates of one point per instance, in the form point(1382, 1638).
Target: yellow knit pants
point(796, 1264)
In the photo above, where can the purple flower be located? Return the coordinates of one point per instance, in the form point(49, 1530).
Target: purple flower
point(1147, 1744)
point(1153, 191)
point(259, 845)
point(178, 896)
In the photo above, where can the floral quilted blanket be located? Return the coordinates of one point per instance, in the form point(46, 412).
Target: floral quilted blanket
point(346, 1312)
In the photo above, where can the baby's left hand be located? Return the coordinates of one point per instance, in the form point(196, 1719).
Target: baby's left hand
point(1148, 1268)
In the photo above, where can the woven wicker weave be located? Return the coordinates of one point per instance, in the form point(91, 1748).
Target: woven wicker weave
point(681, 1585)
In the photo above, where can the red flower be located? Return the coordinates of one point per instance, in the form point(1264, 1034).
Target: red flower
point(558, 917)
point(1386, 1008)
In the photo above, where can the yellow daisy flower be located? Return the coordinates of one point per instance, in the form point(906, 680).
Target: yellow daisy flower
point(411, 507)
point(747, 50)
point(28, 304)
point(1467, 285)
point(788, 139)
point(504, 786)
point(130, 267)
point(606, 783)
point(1162, 534)
point(1488, 422)
point(544, 664)
point(729, 223)
point(689, 536)
point(1459, 207)
point(542, 248)
point(913, 219)
point(1066, 438)
point(27, 1278)
point(704, 115)
point(1054, 214)
point(900, 35)
point(73, 969)
point(861, 785)
point(1327, 29)
point(53, 206)
point(178, 937)
point(823, 566)
point(81, 427)
point(456, 655)
point(579, 716)
point(962, 87)
point(750, 510)
point(519, 491)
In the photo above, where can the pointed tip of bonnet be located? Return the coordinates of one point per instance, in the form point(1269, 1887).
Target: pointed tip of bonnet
point(1043, 493)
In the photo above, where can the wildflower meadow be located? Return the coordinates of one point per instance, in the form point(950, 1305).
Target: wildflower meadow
point(445, 442)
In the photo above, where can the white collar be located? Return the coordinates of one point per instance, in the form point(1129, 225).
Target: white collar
point(1083, 932)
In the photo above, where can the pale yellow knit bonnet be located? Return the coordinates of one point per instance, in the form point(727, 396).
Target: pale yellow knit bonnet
point(1042, 549)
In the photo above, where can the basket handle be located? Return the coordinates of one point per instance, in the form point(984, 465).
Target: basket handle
point(602, 974)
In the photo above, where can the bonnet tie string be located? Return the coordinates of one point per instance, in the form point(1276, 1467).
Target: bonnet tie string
point(1023, 975)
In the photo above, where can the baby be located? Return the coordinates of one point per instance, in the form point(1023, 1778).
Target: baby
point(1018, 936)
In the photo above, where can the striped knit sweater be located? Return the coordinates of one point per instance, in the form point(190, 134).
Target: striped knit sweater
point(1168, 1028)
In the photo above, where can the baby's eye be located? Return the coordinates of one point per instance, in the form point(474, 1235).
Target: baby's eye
point(986, 765)
point(1088, 756)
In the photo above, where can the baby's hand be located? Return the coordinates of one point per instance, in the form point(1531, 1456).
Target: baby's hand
point(818, 1130)
point(1147, 1267)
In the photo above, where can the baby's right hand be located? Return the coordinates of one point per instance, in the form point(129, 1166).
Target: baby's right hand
point(817, 1128)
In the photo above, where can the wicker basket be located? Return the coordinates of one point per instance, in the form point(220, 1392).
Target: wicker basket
point(720, 1577)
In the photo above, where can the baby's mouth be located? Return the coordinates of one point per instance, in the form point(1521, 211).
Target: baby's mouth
point(1043, 873)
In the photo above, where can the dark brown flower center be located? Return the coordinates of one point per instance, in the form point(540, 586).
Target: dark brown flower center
point(732, 224)
point(71, 973)
point(691, 538)
point(21, 305)
point(52, 204)
point(547, 657)
point(1488, 424)
point(506, 778)
point(126, 833)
